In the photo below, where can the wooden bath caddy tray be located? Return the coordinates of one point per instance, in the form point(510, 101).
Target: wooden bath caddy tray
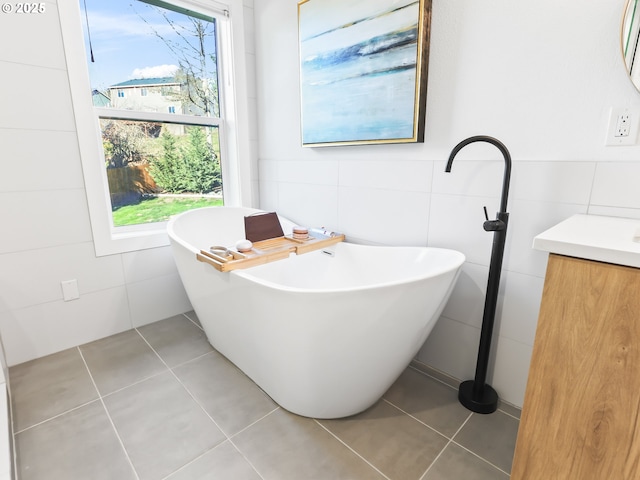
point(266, 251)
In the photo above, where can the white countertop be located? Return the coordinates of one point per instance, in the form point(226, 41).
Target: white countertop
point(594, 237)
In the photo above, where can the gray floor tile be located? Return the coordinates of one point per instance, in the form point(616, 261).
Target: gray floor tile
point(429, 401)
point(284, 446)
point(456, 463)
point(396, 444)
point(80, 444)
point(493, 437)
point(223, 462)
point(227, 394)
point(49, 386)
point(191, 315)
point(176, 339)
point(120, 360)
point(161, 426)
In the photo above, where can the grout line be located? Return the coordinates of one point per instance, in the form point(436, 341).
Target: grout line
point(56, 416)
point(245, 428)
point(445, 447)
point(113, 425)
point(417, 419)
point(433, 377)
point(137, 382)
point(256, 421)
point(192, 321)
point(478, 456)
point(346, 445)
point(184, 386)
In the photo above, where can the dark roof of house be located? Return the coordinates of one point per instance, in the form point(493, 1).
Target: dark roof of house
point(139, 82)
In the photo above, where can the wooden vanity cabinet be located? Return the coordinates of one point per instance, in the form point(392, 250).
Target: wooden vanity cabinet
point(581, 414)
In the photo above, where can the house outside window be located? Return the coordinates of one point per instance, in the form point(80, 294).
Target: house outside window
point(169, 147)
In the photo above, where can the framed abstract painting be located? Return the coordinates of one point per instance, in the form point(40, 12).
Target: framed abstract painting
point(363, 71)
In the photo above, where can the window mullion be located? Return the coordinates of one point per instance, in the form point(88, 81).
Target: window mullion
point(156, 117)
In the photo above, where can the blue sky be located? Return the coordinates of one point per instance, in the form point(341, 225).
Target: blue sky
point(124, 45)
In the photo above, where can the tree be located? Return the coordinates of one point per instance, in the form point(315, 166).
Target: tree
point(193, 168)
point(197, 60)
point(201, 161)
point(122, 142)
point(169, 170)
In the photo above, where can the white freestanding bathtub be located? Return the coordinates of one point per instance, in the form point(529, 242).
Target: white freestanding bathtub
point(324, 333)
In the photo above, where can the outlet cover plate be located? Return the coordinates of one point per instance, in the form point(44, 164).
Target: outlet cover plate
point(622, 120)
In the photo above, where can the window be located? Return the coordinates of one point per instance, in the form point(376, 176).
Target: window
point(176, 145)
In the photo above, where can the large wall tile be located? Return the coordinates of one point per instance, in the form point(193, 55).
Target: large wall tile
point(156, 299)
point(559, 182)
point(526, 220)
point(389, 217)
point(43, 219)
point(520, 305)
point(39, 160)
point(466, 304)
point(33, 49)
point(616, 185)
point(455, 221)
point(401, 175)
point(33, 277)
point(39, 330)
point(148, 264)
point(310, 205)
point(470, 177)
point(30, 102)
point(510, 360)
point(305, 171)
point(452, 347)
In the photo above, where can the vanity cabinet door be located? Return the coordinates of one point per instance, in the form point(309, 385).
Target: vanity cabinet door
point(581, 414)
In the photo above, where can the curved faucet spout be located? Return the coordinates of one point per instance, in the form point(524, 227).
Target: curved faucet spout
point(507, 161)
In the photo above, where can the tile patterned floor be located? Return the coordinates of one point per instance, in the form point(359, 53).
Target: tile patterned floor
point(158, 402)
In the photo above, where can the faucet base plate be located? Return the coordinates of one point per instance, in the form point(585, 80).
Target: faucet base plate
point(484, 400)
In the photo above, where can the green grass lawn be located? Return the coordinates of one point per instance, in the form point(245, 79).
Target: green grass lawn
point(159, 209)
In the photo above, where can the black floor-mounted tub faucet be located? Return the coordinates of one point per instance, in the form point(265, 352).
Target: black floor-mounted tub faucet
point(476, 394)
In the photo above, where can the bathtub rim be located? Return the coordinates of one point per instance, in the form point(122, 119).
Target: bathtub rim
point(457, 261)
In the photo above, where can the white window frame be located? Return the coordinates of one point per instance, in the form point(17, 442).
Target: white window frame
point(234, 132)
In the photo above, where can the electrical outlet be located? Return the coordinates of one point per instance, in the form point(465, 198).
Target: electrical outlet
point(623, 126)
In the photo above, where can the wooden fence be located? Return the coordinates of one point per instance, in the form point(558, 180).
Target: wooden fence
point(128, 184)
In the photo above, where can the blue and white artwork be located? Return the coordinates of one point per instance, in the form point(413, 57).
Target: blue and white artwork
point(359, 70)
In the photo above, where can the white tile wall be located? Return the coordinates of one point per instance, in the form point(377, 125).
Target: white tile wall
point(36, 274)
point(33, 51)
point(616, 185)
point(155, 298)
point(45, 218)
point(24, 92)
point(553, 123)
point(38, 330)
point(392, 217)
point(53, 154)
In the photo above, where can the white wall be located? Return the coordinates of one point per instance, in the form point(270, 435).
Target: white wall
point(541, 77)
point(46, 234)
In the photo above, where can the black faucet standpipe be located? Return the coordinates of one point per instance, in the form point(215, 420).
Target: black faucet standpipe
point(476, 394)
